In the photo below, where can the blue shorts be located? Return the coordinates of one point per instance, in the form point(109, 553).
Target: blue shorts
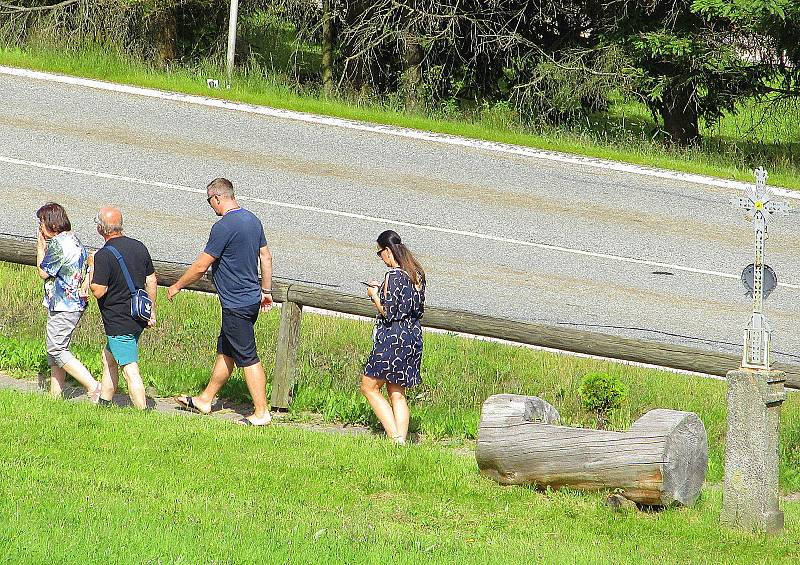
point(124, 348)
point(237, 338)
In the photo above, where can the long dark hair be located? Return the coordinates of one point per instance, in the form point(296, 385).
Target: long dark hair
point(54, 218)
point(405, 259)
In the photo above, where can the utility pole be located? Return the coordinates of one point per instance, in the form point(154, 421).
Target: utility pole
point(232, 39)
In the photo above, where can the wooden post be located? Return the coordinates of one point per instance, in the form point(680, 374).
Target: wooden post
point(286, 355)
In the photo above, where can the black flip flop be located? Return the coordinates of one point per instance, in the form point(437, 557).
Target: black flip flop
point(188, 404)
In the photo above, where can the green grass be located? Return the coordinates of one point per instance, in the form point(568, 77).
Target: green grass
point(80, 484)
point(731, 151)
point(458, 373)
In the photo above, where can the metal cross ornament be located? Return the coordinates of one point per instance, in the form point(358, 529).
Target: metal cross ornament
point(758, 205)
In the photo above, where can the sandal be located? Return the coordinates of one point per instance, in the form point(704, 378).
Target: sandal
point(187, 403)
point(94, 396)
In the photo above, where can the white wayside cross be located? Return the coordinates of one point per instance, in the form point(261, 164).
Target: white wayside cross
point(750, 496)
point(758, 202)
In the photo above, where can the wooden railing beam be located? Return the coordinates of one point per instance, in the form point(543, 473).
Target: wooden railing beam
point(554, 337)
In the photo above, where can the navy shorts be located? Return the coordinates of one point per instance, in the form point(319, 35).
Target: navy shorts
point(237, 338)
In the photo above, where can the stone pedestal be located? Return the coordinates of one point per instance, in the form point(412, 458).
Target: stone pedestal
point(750, 498)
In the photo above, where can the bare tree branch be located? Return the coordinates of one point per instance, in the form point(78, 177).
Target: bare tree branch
point(13, 8)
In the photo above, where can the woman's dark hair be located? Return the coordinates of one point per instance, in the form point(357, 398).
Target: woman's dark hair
point(405, 259)
point(54, 218)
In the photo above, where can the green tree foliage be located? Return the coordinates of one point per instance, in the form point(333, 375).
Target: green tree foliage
point(699, 58)
point(687, 59)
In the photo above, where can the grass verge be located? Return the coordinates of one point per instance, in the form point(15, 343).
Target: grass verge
point(622, 135)
point(85, 485)
point(458, 373)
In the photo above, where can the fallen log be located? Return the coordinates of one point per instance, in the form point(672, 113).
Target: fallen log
point(660, 461)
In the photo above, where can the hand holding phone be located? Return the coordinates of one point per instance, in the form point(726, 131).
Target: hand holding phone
point(373, 288)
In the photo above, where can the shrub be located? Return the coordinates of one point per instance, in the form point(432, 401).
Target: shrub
point(600, 393)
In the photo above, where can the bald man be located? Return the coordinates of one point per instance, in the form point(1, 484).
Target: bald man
point(108, 285)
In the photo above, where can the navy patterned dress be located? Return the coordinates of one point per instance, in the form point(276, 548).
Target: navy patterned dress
point(397, 352)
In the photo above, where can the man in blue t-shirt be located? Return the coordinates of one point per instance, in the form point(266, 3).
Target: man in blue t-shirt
point(234, 251)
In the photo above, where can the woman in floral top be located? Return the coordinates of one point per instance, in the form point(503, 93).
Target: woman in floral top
point(62, 259)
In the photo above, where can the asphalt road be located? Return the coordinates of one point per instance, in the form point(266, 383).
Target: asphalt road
point(498, 234)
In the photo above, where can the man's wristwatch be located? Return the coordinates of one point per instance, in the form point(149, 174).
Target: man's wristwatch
point(266, 291)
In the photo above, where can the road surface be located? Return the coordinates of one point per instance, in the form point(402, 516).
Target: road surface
point(502, 234)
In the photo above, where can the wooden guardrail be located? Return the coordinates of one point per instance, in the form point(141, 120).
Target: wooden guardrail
point(295, 296)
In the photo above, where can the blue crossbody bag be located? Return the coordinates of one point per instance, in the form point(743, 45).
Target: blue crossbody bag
point(141, 305)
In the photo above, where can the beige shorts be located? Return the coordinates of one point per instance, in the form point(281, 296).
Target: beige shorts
point(60, 327)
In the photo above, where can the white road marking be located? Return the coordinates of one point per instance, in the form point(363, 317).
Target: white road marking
point(384, 221)
point(445, 139)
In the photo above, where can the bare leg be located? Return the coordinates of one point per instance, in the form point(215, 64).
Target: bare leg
point(397, 394)
point(57, 377)
point(135, 385)
point(223, 367)
point(257, 385)
point(371, 388)
point(110, 376)
point(81, 374)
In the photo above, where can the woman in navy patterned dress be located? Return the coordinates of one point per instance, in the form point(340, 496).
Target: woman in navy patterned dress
point(397, 351)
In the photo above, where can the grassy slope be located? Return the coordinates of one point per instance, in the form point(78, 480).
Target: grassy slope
point(459, 374)
point(733, 158)
point(85, 485)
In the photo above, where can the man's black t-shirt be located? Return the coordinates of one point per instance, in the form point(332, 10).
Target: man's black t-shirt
point(115, 305)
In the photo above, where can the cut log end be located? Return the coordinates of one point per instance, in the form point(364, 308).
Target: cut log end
point(685, 452)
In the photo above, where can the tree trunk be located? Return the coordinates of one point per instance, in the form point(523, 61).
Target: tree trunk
point(660, 461)
point(679, 111)
point(166, 35)
point(328, 37)
point(412, 72)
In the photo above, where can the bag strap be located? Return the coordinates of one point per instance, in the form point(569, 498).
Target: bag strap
point(124, 268)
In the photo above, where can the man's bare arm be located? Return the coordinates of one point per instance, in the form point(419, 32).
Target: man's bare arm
point(265, 257)
point(193, 274)
point(151, 286)
point(98, 290)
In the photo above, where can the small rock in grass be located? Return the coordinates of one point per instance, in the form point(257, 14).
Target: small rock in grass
point(619, 503)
